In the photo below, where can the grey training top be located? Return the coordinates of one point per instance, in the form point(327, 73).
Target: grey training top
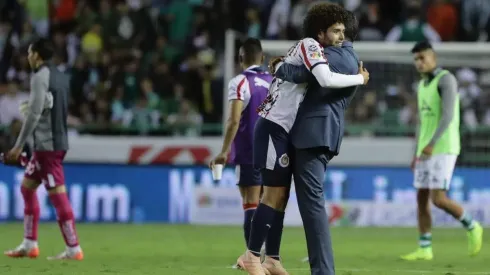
point(46, 117)
point(448, 90)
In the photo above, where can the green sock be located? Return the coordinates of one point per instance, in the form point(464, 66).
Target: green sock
point(425, 240)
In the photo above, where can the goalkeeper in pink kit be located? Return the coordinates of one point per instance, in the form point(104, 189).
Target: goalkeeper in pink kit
point(45, 121)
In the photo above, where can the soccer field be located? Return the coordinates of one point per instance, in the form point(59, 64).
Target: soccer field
point(206, 250)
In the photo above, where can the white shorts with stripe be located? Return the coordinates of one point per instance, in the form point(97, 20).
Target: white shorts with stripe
point(435, 172)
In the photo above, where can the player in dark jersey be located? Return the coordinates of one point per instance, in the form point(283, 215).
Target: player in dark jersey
point(246, 92)
point(45, 121)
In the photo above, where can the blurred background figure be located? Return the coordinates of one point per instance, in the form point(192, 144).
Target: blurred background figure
point(413, 28)
point(10, 103)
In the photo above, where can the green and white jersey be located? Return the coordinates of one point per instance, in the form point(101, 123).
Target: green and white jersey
point(438, 109)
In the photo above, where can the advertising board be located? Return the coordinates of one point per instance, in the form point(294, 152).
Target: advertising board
point(366, 196)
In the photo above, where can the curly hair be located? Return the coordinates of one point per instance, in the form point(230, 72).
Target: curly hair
point(321, 17)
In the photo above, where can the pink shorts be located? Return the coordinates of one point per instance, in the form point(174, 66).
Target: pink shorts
point(46, 167)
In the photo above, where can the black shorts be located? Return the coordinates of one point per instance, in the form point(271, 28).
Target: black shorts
point(272, 153)
point(247, 175)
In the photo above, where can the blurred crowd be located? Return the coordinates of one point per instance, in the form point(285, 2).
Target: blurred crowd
point(388, 104)
point(137, 66)
point(380, 20)
point(156, 66)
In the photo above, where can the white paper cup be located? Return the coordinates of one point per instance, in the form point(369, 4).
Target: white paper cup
point(217, 171)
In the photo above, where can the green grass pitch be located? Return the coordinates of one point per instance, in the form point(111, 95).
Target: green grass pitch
point(211, 250)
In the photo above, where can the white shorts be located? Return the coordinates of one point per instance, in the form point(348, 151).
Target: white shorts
point(435, 172)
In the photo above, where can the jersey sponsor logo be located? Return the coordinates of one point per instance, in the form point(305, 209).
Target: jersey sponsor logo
point(284, 160)
point(315, 55)
point(313, 48)
point(425, 109)
point(259, 82)
point(314, 52)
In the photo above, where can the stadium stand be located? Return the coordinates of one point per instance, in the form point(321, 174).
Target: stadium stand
point(156, 67)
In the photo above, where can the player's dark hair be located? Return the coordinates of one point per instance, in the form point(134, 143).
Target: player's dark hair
point(351, 26)
point(252, 51)
point(421, 46)
point(321, 17)
point(43, 48)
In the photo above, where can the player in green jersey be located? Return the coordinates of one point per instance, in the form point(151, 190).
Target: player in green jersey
point(438, 146)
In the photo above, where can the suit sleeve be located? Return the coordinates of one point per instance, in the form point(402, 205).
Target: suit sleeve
point(39, 90)
point(293, 74)
point(448, 87)
point(313, 58)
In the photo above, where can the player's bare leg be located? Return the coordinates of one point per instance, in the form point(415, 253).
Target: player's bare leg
point(423, 211)
point(475, 232)
point(29, 246)
point(271, 208)
point(424, 222)
point(66, 222)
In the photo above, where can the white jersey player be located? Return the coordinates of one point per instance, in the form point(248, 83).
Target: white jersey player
point(284, 98)
point(271, 137)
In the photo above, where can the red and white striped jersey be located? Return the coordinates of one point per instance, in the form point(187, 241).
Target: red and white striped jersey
point(284, 98)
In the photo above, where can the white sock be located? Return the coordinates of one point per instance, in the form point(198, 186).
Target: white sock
point(29, 243)
point(467, 221)
point(73, 250)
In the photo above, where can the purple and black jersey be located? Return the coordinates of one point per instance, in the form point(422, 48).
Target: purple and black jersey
point(251, 86)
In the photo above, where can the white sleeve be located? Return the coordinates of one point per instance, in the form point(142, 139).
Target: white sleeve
point(311, 53)
point(239, 89)
point(327, 78)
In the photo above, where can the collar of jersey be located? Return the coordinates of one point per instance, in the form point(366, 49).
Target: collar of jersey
point(251, 68)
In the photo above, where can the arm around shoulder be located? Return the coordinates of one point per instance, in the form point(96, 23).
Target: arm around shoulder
point(293, 73)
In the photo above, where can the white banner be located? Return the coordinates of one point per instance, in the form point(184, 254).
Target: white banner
point(151, 150)
point(223, 206)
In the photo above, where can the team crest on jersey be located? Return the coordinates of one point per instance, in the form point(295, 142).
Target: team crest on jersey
point(284, 160)
point(313, 48)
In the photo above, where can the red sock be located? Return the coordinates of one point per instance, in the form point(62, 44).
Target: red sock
point(66, 219)
point(31, 213)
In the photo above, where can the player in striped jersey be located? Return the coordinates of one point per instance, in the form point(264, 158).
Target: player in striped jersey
point(324, 22)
